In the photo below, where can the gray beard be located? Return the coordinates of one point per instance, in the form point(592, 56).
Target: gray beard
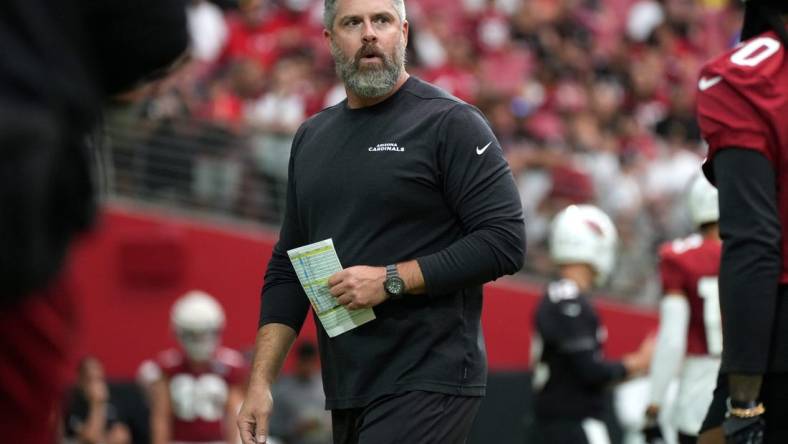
point(369, 82)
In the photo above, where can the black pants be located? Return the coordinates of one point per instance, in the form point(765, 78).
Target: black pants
point(410, 417)
point(774, 395)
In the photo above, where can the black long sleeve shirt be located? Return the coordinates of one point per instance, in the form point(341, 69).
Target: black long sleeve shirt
point(571, 376)
point(754, 319)
point(417, 176)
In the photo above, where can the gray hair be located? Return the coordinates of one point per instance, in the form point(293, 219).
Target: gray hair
point(330, 12)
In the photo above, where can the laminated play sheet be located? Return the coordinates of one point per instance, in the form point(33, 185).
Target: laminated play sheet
point(314, 264)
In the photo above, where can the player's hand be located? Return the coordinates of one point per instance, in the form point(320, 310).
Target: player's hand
point(743, 430)
point(359, 287)
point(253, 417)
point(639, 361)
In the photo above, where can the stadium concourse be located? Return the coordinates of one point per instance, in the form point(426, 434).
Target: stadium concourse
point(592, 100)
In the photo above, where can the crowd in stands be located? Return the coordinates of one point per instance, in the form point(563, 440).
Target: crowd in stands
point(592, 101)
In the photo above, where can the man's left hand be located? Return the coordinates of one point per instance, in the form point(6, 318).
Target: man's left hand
point(359, 287)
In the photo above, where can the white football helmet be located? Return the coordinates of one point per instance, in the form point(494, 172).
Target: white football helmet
point(702, 201)
point(198, 319)
point(584, 234)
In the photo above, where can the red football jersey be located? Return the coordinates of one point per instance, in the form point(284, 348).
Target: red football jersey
point(198, 397)
point(690, 266)
point(743, 102)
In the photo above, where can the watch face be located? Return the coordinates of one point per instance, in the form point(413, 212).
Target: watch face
point(395, 286)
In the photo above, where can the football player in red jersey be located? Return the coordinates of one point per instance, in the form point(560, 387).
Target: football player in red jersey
point(199, 391)
point(689, 342)
point(743, 115)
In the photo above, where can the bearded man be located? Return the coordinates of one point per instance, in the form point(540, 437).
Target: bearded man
point(412, 186)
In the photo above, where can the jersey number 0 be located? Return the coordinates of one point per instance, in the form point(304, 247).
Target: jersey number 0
point(755, 51)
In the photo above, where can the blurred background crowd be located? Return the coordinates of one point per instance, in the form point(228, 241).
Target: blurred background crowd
point(592, 101)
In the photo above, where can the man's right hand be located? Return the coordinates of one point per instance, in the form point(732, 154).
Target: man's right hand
point(254, 414)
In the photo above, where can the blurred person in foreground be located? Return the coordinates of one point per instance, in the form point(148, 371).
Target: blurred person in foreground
point(199, 387)
point(743, 115)
point(572, 379)
point(689, 342)
point(90, 416)
point(412, 186)
point(60, 62)
point(300, 416)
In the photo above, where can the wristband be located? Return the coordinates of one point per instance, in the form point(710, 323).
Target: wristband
point(745, 409)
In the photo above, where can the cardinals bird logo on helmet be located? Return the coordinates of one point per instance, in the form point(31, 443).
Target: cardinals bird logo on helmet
point(584, 234)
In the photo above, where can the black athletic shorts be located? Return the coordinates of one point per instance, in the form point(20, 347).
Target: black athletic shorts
point(411, 417)
point(774, 395)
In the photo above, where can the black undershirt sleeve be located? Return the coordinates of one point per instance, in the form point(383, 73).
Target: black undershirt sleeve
point(283, 298)
point(579, 347)
point(593, 370)
point(480, 189)
point(751, 257)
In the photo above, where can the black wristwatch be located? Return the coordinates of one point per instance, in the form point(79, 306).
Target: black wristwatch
point(394, 285)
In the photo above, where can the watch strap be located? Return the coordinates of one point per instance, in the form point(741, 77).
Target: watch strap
point(391, 271)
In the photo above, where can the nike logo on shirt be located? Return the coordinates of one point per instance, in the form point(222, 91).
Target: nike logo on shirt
point(481, 151)
point(704, 83)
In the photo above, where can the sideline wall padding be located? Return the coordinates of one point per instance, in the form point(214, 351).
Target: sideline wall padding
point(136, 263)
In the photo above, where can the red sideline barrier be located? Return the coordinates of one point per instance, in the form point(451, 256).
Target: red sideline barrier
point(130, 270)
